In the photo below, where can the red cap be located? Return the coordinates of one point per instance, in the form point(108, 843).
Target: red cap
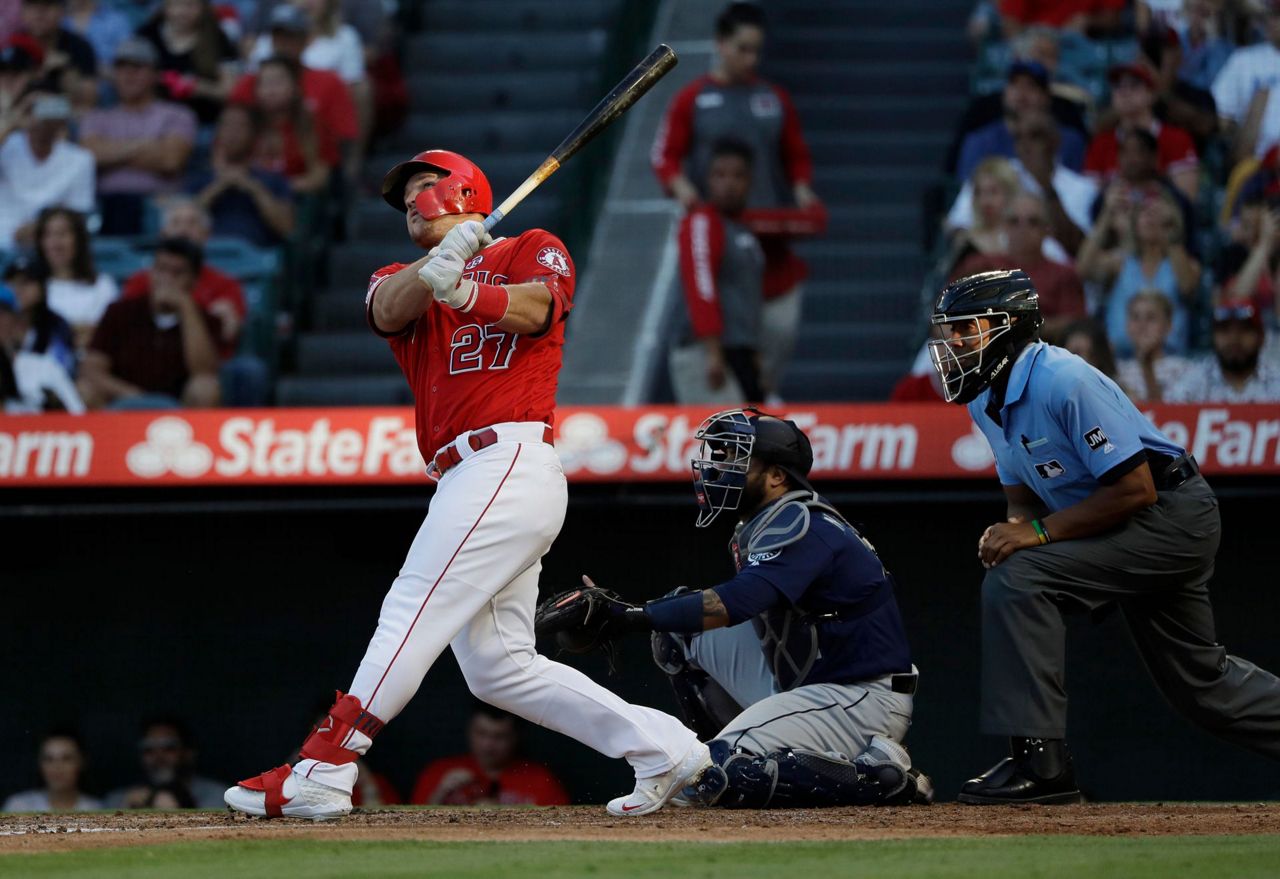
point(1134, 69)
point(1242, 310)
point(464, 189)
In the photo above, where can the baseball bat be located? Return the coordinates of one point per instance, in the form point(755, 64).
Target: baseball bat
point(641, 78)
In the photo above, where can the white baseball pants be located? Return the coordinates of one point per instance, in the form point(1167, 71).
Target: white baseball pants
point(470, 581)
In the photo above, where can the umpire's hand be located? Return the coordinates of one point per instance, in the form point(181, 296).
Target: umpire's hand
point(1003, 539)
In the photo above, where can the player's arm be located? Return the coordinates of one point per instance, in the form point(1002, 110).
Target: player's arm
point(400, 299)
point(1023, 503)
point(529, 308)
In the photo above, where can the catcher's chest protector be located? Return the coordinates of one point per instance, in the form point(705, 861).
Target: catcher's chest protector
point(788, 634)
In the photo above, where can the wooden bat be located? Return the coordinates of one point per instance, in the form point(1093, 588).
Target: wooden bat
point(641, 78)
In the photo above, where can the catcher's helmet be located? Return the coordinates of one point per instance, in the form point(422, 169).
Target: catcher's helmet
point(729, 440)
point(463, 188)
point(969, 362)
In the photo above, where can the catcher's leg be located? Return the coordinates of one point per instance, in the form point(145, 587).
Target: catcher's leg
point(478, 536)
point(497, 656)
point(702, 703)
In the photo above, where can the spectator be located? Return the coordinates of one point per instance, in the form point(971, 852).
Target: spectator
point(1026, 223)
point(1138, 180)
point(1087, 339)
point(1148, 255)
point(76, 289)
point(1247, 91)
point(369, 19)
point(1133, 97)
point(921, 384)
point(197, 59)
point(492, 773)
point(10, 18)
point(1079, 16)
point(39, 167)
point(29, 383)
point(326, 96)
point(243, 201)
point(44, 330)
point(733, 101)
point(1150, 371)
point(292, 143)
point(993, 186)
point(1068, 195)
point(102, 26)
point(1205, 49)
point(168, 760)
point(157, 352)
point(1026, 91)
point(1249, 267)
point(70, 65)
point(216, 292)
point(61, 759)
point(141, 145)
point(1236, 373)
point(20, 59)
point(328, 44)
point(722, 272)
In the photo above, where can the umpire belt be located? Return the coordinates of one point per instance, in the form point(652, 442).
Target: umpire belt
point(1172, 472)
point(467, 444)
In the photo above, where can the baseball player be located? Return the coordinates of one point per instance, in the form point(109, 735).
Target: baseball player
point(477, 326)
point(797, 669)
point(1103, 510)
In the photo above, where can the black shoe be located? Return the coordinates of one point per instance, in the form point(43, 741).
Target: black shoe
point(1039, 771)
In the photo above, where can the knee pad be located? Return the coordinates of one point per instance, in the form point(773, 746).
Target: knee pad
point(703, 705)
point(736, 780)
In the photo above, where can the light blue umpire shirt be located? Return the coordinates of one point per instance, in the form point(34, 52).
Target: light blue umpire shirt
point(1066, 428)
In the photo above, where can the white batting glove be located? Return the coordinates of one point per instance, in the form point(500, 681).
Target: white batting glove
point(466, 239)
point(443, 274)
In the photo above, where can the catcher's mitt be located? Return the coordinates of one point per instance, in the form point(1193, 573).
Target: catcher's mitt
point(586, 619)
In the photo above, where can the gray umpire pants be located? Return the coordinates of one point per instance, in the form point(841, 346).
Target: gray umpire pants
point(1157, 568)
point(838, 718)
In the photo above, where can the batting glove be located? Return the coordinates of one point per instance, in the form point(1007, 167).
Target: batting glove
point(466, 239)
point(443, 274)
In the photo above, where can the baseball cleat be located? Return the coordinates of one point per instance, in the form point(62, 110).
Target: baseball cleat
point(651, 794)
point(282, 793)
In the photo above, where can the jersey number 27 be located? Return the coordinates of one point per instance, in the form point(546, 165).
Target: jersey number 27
point(467, 349)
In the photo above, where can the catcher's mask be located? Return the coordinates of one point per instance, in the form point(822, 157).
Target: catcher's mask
point(728, 442)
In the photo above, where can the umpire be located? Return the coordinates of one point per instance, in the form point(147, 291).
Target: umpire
point(1103, 509)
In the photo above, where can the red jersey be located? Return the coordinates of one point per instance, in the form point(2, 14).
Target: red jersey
point(459, 781)
point(1055, 13)
point(323, 91)
point(465, 376)
point(1175, 151)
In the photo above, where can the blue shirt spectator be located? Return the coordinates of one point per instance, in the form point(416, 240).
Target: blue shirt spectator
point(104, 27)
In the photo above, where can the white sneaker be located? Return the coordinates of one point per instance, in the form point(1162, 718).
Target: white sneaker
point(651, 794)
point(300, 798)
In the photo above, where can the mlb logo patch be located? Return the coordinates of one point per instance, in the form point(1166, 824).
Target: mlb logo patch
point(1050, 469)
point(555, 259)
point(1095, 439)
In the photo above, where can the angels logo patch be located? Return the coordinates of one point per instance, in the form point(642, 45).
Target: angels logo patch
point(475, 261)
point(555, 259)
point(1050, 469)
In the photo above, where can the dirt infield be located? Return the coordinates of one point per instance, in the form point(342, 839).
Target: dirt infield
point(51, 833)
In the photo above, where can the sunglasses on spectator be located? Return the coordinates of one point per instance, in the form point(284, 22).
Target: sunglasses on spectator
point(1245, 313)
point(146, 746)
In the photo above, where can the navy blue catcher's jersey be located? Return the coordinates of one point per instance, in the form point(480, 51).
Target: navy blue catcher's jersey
point(833, 574)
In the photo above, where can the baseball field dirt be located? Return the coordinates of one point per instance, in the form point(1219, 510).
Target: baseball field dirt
point(1153, 839)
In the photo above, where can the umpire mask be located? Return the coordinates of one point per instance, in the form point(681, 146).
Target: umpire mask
point(728, 441)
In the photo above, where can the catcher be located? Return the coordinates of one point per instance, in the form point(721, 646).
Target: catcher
point(797, 670)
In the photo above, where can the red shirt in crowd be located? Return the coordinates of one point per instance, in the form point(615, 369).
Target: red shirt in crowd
point(1055, 13)
point(211, 286)
point(1061, 293)
point(466, 376)
point(459, 781)
point(143, 353)
point(1175, 151)
point(325, 94)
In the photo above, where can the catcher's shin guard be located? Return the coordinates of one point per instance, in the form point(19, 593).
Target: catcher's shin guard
point(703, 704)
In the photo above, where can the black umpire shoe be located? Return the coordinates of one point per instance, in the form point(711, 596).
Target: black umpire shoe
point(1039, 771)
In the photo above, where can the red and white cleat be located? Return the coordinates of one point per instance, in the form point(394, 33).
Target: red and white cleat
point(281, 793)
point(651, 794)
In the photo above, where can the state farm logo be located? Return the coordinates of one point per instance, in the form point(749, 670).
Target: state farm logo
point(583, 442)
point(972, 451)
point(555, 259)
point(170, 447)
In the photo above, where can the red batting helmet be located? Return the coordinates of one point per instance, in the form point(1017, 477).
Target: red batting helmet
point(463, 189)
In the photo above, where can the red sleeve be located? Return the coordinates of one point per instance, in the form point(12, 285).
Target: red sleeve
point(224, 288)
point(701, 249)
point(138, 284)
point(242, 92)
point(675, 134)
point(374, 282)
point(1096, 159)
point(546, 788)
point(542, 257)
point(428, 780)
point(337, 111)
point(1177, 150)
point(795, 152)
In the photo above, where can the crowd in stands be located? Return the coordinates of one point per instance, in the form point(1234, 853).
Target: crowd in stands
point(155, 156)
point(1128, 159)
point(493, 771)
